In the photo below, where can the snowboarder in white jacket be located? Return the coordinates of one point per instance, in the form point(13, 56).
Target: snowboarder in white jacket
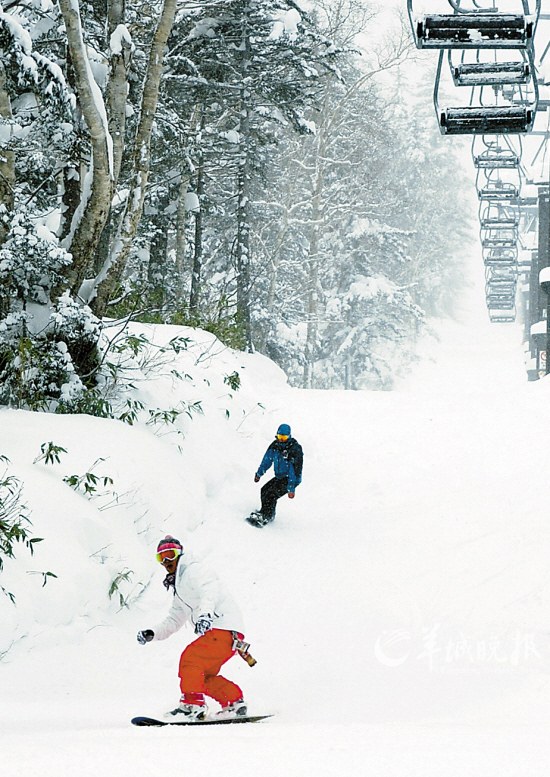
point(200, 600)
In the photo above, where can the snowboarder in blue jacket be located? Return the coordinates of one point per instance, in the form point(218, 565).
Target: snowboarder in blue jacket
point(286, 455)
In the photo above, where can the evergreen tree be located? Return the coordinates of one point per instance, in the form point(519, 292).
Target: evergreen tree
point(244, 71)
point(45, 340)
point(367, 230)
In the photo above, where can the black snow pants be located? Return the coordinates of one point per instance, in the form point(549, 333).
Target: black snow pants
point(273, 490)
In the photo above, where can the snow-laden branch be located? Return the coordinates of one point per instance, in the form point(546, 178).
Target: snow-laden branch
point(89, 93)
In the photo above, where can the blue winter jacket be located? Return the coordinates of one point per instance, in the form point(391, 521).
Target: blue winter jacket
point(287, 459)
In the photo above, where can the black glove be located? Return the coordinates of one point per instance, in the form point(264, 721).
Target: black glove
point(145, 636)
point(256, 478)
point(203, 624)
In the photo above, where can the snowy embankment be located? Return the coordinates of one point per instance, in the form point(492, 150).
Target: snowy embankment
point(398, 607)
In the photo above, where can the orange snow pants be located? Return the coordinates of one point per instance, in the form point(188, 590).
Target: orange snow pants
point(200, 663)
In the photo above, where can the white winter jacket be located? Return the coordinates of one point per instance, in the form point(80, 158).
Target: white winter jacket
point(198, 591)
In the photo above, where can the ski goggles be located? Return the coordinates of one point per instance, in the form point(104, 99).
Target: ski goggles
point(282, 437)
point(168, 555)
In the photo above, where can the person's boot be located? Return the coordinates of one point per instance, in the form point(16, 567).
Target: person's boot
point(190, 712)
point(235, 709)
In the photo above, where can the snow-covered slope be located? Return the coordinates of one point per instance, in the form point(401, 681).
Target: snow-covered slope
point(398, 607)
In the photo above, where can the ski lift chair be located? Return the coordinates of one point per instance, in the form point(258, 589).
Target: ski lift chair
point(501, 316)
point(503, 254)
point(506, 288)
point(498, 215)
point(500, 260)
point(498, 185)
point(490, 73)
point(506, 252)
point(501, 285)
point(474, 29)
point(477, 120)
point(501, 273)
point(501, 301)
point(499, 191)
point(496, 285)
point(497, 156)
point(501, 297)
point(492, 239)
point(505, 229)
point(500, 223)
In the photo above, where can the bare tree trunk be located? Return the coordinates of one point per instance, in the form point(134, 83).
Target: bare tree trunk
point(242, 258)
point(70, 185)
point(196, 272)
point(181, 240)
point(120, 48)
point(75, 167)
point(274, 254)
point(112, 272)
point(7, 159)
point(312, 307)
point(7, 178)
point(197, 119)
point(87, 227)
point(118, 81)
point(242, 249)
point(313, 264)
point(157, 270)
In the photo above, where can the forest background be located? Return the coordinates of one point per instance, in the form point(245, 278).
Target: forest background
point(267, 170)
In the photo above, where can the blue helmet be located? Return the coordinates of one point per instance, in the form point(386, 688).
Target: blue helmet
point(284, 429)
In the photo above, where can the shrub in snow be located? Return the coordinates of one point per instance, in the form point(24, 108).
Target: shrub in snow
point(14, 519)
point(30, 261)
point(50, 368)
point(48, 346)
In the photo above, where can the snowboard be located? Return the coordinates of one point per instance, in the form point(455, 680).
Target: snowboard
point(144, 721)
point(256, 519)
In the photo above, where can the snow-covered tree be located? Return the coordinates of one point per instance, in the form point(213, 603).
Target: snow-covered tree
point(226, 165)
point(238, 74)
point(63, 128)
point(112, 272)
point(341, 179)
point(371, 313)
point(345, 273)
point(435, 197)
point(44, 346)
